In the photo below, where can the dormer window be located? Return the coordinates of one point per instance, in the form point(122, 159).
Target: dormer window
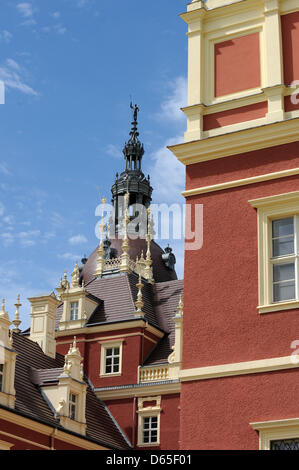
point(73, 406)
point(1, 377)
point(74, 311)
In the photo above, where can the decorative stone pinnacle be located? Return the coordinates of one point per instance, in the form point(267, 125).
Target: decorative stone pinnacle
point(3, 313)
point(16, 322)
point(75, 276)
point(125, 258)
point(139, 302)
point(180, 310)
point(101, 251)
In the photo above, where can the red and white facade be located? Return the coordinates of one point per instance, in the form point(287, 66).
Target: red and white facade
point(241, 151)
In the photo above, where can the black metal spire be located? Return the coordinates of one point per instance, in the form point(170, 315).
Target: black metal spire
point(131, 180)
point(133, 149)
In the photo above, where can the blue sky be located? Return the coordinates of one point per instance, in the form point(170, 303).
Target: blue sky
point(69, 68)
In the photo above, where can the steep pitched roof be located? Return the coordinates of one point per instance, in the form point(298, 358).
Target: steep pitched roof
point(166, 300)
point(33, 369)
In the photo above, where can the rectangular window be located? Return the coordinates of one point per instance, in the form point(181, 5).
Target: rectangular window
point(112, 360)
point(284, 259)
point(73, 406)
point(1, 377)
point(74, 311)
point(285, 444)
point(150, 430)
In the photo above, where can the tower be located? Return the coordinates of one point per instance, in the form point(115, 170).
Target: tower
point(131, 180)
point(241, 153)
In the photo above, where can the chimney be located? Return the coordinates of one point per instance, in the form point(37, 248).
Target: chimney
point(43, 317)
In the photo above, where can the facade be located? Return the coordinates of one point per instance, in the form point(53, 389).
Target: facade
point(99, 365)
point(107, 361)
point(240, 365)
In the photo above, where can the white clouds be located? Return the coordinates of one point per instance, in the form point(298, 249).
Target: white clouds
point(4, 169)
point(13, 64)
point(69, 257)
point(55, 14)
point(25, 9)
point(5, 36)
point(78, 240)
point(113, 151)
point(170, 107)
point(167, 174)
point(11, 75)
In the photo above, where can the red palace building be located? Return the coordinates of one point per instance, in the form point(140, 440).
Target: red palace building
point(114, 359)
point(239, 377)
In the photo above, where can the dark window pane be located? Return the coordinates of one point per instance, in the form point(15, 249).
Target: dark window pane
point(108, 352)
point(283, 246)
point(116, 351)
point(284, 291)
point(282, 227)
point(108, 369)
point(283, 272)
point(115, 368)
point(286, 444)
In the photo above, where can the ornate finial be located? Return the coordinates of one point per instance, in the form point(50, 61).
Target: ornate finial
point(180, 310)
point(101, 251)
point(125, 258)
point(139, 302)
point(135, 111)
point(75, 342)
point(75, 276)
point(133, 150)
point(148, 261)
point(16, 322)
point(3, 313)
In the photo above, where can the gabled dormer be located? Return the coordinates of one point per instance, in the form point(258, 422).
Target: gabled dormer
point(68, 396)
point(78, 304)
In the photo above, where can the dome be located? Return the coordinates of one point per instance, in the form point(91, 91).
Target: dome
point(161, 272)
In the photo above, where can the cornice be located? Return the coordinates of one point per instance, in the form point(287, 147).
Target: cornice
point(240, 368)
point(238, 142)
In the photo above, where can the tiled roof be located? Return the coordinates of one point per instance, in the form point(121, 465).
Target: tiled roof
point(34, 368)
point(166, 301)
point(160, 271)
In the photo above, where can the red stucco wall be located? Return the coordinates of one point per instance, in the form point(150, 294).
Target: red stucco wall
point(216, 413)
point(237, 64)
point(290, 41)
point(221, 320)
point(234, 116)
point(124, 411)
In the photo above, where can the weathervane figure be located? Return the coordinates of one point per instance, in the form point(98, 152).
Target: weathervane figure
point(135, 111)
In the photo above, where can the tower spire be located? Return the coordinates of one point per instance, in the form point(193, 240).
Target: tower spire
point(131, 180)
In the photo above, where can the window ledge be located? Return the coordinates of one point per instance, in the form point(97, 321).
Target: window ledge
point(278, 306)
point(154, 444)
point(116, 374)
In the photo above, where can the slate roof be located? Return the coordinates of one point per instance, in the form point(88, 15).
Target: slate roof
point(160, 272)
point(34, 368)
point(166, 301)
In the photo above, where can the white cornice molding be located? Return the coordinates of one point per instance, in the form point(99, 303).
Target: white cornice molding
point(240, 368)
point(238, 142)
point(144, 391)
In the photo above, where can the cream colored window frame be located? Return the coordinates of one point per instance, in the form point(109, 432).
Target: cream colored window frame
point(268, 209)
point(104, 347)
point(148, 412)
point(275, 431)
